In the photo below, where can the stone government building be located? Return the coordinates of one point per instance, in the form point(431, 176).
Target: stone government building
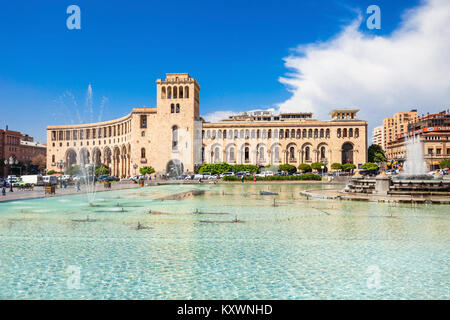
point(173, 138)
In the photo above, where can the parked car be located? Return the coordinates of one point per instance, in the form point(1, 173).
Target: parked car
point(35, 179)
point(265, 174)
point(49, 179)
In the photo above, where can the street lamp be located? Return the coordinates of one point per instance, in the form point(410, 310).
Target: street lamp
point(60, 164)
point(135, 166)
point(10, 162)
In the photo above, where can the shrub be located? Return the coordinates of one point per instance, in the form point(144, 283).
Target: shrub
point(369, 166)
point(73, 170)
point(317, 166)
point(348, 167)
point(288, 168)
point(146, 170)
point(245, 167)
point(50, 172)
point(304, 167)
point(215, 168)
point(336, 166)
point(303, 177)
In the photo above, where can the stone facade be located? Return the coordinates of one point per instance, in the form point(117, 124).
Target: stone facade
point(174, 138)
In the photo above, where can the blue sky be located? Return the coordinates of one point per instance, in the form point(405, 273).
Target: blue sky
point(235, 49)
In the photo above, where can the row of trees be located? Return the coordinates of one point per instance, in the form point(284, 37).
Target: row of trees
point(219, 168)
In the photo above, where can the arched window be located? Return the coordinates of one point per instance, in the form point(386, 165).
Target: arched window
point(356, 133)
point(53, 158)
point(304, 134)
point(175, 92)
point(224, 134)
point(163, 92)
point(172, 108)
point(175, 138)
point(246, 154)
point(253, 134)
point(327, 134)
point(291, 153)
point(180, 95)
point(264, 134)
point(258, 134)
point(142, 153)
point(286, 133)
point(322, 153)
point(261, 154)
point(216, 155)
point(316, 133)
point(169, 92)
point(247, 134)
point(178, 108)
point(281, 133)
point(241, 134)
point(350, 132)
point(344, 133)
point(299, 134)
point(276, 155)
point(213, 134)
point(322, 132)
point(307, 154)
point(186, 92)
point(236, 134)
point(219, 134)
point(231, 155)
point(339, 132)
point(269, 134)
point(310, 133)
point(143, 133)
point(292, 133)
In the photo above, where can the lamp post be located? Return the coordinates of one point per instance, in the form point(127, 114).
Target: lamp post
point(135, 166)
point(60, 164)
point(10, 162)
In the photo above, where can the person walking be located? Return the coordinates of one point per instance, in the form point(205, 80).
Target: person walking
point(4, 188)
point(78, 186)
point(242, 179)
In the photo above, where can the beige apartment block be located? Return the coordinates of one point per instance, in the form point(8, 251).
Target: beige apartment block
point(173, 138)
point(377, 136)
point(396, 125)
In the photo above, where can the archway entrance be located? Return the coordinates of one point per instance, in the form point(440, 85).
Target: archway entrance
point(347, 153)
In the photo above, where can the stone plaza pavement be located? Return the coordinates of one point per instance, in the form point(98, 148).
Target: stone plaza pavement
point(39, 192)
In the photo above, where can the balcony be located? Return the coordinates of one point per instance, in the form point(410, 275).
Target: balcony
point(143, 160)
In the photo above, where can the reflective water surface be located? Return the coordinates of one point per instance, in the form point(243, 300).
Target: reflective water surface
point(230, 243)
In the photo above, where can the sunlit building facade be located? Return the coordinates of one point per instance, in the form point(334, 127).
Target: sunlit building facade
point(173, 138)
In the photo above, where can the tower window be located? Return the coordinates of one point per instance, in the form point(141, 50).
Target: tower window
point(178, 108)
point(172, 108)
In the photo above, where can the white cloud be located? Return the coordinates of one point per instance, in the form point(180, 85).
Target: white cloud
point(217, 115)
point(379, 75)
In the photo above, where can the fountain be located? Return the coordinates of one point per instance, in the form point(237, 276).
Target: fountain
point(413, 182)
point(415, 166)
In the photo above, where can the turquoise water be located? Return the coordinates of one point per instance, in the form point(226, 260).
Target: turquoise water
point(291, 249)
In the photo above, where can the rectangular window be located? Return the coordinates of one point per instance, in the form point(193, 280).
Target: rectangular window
point(430, 151)
point(143, 121)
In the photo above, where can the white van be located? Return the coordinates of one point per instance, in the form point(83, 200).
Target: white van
point(35, 179)
point(50, 179)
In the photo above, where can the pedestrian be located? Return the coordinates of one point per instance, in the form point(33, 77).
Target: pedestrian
point(242, 179)
point(4, 188)
point(11, 185)
point(78, 186)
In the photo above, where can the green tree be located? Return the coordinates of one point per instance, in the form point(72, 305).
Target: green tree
point(379, 157)
point(244, 167)
point(369, 166)
point(146, 170)
point(304, 167)
point(74, 170)
point(216, 168)
point(50, 172)
point(288, 168)
point(317, 166)
point(445, 164)
point(348, 167)
point(101, 170)
point(336, 166)
point(373, 150)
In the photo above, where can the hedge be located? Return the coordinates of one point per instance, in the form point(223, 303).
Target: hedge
point(307, 176)
point(219, 168)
